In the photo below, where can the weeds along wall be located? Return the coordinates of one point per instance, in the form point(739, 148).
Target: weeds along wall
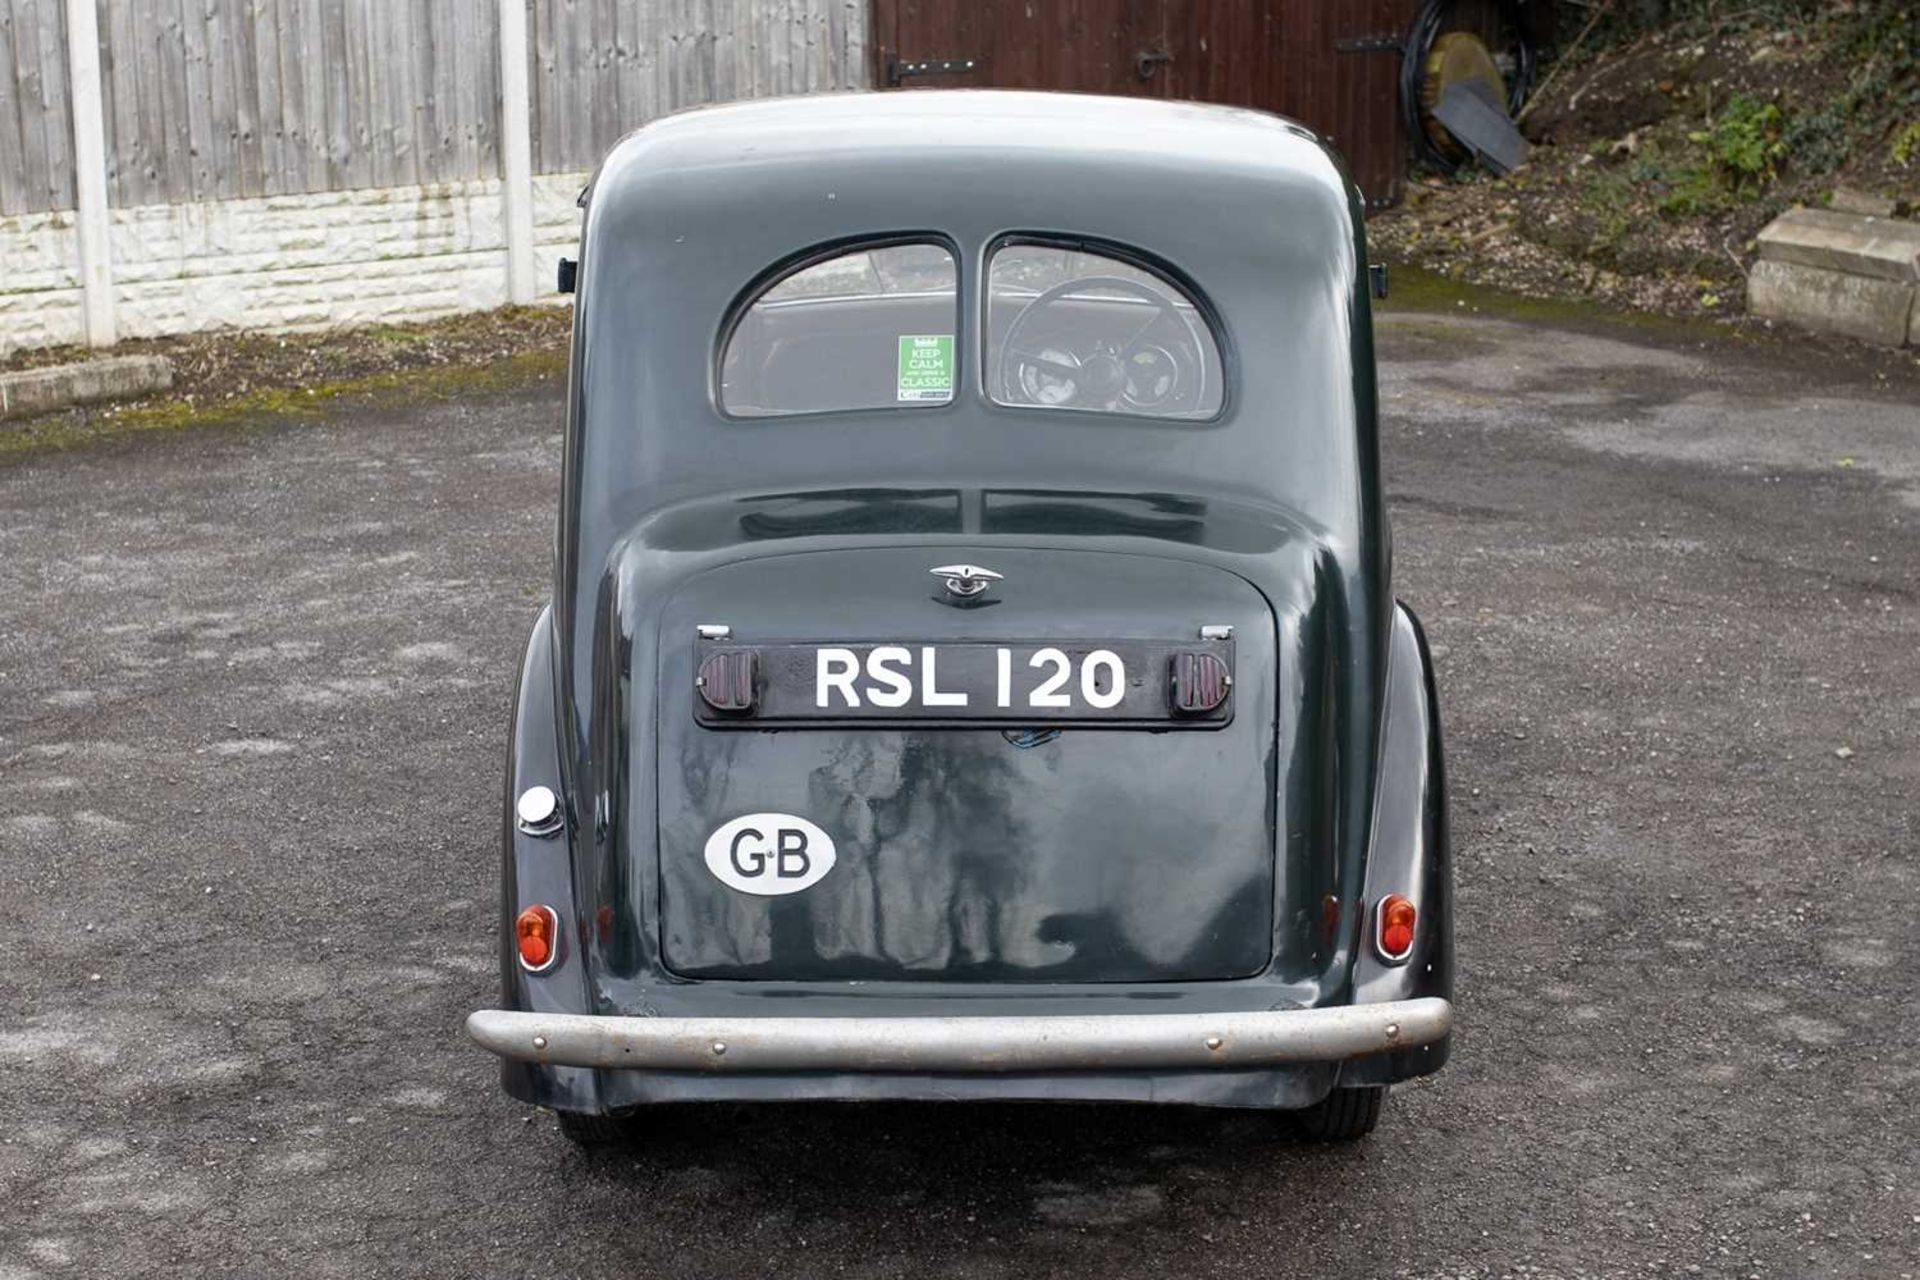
point(314, 163)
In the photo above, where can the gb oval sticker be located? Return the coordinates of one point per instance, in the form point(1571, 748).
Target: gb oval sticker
point(769, 854)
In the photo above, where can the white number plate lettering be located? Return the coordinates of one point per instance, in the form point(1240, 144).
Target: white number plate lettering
point(893, 677)
point(1115, 682)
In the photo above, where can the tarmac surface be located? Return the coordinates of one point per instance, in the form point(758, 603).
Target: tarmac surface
point(254, 686)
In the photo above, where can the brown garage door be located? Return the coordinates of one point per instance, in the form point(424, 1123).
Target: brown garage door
point(1333, 65)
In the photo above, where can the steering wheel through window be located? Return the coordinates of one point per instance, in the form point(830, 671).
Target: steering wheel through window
point(1071, 329)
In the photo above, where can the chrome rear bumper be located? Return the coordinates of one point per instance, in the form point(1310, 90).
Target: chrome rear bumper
point(1082, 1042)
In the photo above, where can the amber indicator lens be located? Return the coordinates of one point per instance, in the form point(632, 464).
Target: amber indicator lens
point(1395, 937)
point(536, 931)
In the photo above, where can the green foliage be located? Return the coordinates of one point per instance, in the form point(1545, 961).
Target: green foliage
point(1695, 190)
point(1906, 144)
point(1711, 170)
point(1818, 141)
point(1745, 142)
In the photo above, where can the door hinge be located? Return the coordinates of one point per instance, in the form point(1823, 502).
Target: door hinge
point(898, 70)
point(1368, 44)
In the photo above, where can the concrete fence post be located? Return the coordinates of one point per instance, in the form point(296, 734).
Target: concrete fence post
point(516, 150)
point(90, 172)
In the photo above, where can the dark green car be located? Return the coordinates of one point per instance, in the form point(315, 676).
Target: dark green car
point(972, 670)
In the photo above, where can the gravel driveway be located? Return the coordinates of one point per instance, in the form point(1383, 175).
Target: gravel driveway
point(253, 699)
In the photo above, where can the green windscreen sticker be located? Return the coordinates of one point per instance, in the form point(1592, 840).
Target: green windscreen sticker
point(926, 367)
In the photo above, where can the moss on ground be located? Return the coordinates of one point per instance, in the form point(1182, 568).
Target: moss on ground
point(1415, 291)
point(279, 404)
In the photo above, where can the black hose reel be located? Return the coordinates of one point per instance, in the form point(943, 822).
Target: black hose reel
point(1434, 56)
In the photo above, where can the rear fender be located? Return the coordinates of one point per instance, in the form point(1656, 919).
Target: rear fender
point(1410, 853)
point(535, 869)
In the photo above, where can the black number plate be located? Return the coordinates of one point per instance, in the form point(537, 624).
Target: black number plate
point(1122, 682)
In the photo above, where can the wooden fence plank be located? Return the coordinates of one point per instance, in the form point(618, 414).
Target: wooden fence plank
point(627, 91)
point(260, 72)
point(543, 86)
point(136, 70)
point(441, 94)
point(13, 115)
point(114, 105)
point(338, 88)
point(164, 55)
point(195, 99)
point(468, 57)
point(58, 101)
point(304, 68)
point(412, 33)
point(606, 70)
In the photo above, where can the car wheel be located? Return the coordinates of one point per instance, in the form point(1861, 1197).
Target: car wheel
point(586, 1129)
point(1343, 1115)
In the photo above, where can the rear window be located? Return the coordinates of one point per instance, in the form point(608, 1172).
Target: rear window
point(1070, 328)
point(870, 328)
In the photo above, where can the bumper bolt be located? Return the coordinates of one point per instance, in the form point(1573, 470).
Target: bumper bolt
point(1393, 1031)
point(719, 1047)
point(539, 1042)
point(1214, 1042)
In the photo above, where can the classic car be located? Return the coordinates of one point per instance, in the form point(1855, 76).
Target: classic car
point(971, 670)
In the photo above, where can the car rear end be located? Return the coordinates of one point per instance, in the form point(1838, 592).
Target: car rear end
point(972, 669)
point(1073, 836)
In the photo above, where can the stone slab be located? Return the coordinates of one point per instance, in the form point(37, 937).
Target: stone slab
point(1884, 248)
point(32, 391)
point(1873, 310)
point(1854, 200)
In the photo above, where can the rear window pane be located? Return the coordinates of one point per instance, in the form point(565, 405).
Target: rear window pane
point(1071, 329)
point(868, 329)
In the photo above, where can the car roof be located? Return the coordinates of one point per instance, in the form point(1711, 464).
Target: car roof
point(1071, 132)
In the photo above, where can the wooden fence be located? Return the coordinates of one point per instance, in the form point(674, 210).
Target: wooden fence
point(223, 99)
point(305, 163)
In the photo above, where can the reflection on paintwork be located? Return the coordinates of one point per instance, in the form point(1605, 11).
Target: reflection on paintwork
point(962, 855)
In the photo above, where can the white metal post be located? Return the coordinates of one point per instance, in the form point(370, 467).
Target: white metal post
point(90, 171)
point(516, 149)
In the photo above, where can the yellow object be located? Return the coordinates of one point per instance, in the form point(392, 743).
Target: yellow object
point(1455, 57)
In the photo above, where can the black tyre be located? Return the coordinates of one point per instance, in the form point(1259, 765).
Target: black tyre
point(587, 1130)
point(1343, 1115)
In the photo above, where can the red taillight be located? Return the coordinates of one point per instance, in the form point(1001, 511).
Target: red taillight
point(536, 931)
point(1393, 934)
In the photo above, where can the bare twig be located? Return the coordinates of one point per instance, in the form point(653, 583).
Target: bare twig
point(1619, 61)
point(1561, 61)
